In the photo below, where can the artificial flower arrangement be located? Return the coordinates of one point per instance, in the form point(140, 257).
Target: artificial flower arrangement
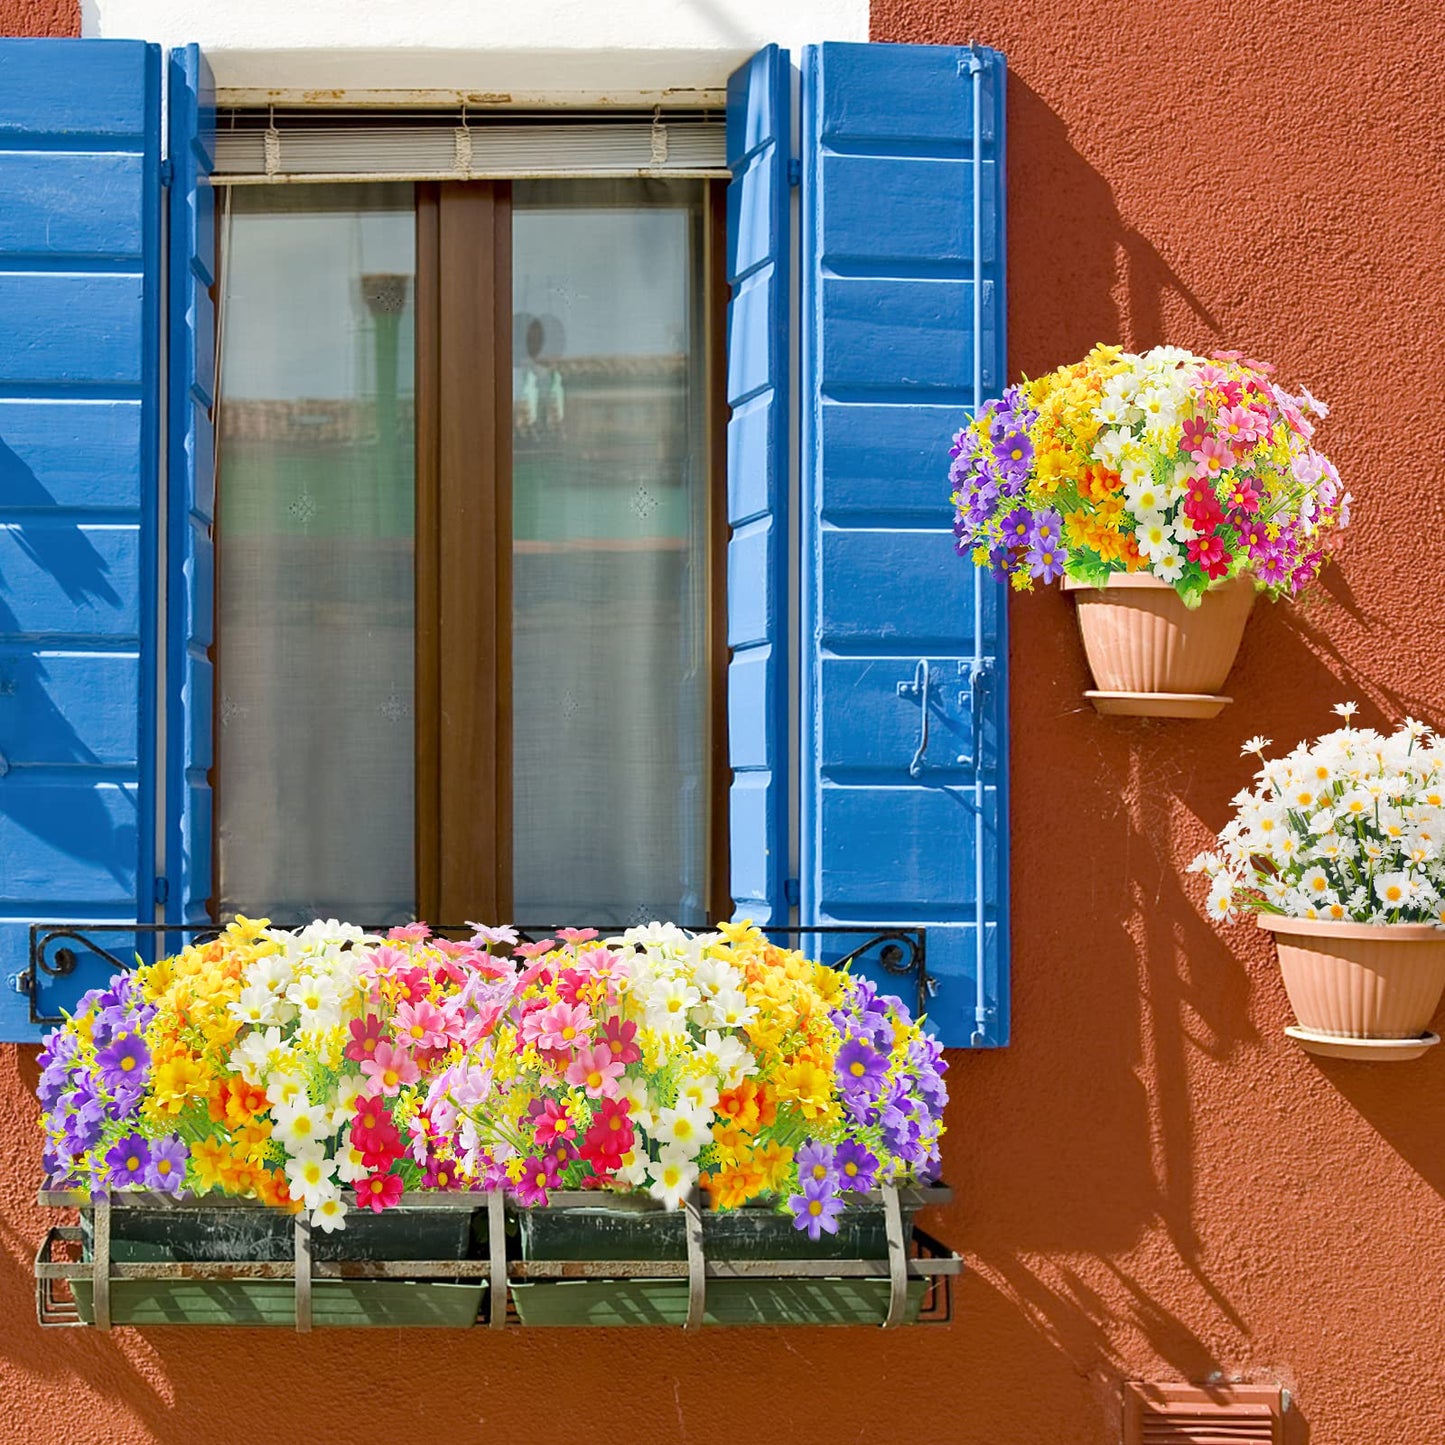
point(1345, 829)
point(1337, 852)
point(282, 1066)
point(1187, 468)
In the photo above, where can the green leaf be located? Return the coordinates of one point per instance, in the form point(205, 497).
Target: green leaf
point(1088, 568)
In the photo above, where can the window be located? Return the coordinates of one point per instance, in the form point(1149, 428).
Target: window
point(504, 691)
point(467, 538)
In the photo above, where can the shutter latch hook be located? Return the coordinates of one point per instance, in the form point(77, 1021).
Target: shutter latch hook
point(922, 680)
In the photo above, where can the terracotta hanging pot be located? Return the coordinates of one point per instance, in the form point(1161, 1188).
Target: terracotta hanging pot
point(1359, 990)
point(1152, 656)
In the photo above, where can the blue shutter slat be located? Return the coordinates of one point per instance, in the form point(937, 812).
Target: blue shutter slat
point(71, 851)
point(903, 331)
point(191, 382)
point(70, 212)
point(74, 331)
point(759, 126)
point(61, 91)
point(91, 468)
point(79, 441)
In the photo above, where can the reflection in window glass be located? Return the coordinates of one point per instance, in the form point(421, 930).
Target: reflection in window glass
point(610, 662)
point(315, 554)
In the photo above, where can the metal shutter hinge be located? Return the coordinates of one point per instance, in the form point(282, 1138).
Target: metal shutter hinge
point(168, 173)
point(792, 892)
point(795, 171)
point(162, 890)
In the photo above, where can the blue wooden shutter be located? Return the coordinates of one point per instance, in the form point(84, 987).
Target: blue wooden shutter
point(903, 333)
point(191, 382)
point(79, 437)
point(759, 125)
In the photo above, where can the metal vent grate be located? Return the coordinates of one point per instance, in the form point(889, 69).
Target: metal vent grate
point(1169, 1414)
point(274, 145)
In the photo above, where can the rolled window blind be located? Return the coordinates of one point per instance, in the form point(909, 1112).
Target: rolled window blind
point(269, 146)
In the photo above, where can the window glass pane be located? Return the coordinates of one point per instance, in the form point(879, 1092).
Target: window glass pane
point(610, 555)
point(315, 727)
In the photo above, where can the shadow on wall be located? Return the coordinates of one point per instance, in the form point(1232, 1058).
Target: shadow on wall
point(1090, 276)
point(1080, 1150)
point(54, 560)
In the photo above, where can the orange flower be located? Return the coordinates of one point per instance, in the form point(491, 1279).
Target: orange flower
point(240, 1176)
point(1097, 482)
point(1133, 558)
point(734, 1184)
point(751, 1106)
point(244, 1101)
point(731, 1140)
point(272, 1188)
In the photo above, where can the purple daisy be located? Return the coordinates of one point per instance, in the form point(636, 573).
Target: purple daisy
point(857, 1166)
point(1046, 561)
point(129, 1161)
point(1017, 527)
point(816, 1209)
point(1046, 529)
point(501, 933)
point(982, 503)
point(123, 1064)
point(861, 1068)
point(816, 1164)
point(166, 1171)
point(83, 1125)
point(57, 1167)
point(1014, 454)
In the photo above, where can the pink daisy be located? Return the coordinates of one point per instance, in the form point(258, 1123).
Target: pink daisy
point(389, 1067)
point(564, 1027)
point(596, 1070)
point(421, 1025)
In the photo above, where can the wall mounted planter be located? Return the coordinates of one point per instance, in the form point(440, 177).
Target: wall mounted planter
point(1150, 655)
point(457, 1260)
point(1360, 991)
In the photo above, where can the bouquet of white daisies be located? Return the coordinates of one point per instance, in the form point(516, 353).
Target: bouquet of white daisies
point(1348, 827)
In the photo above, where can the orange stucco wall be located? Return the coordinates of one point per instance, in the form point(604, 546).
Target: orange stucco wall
point(1152, 1181)
point(39, 17)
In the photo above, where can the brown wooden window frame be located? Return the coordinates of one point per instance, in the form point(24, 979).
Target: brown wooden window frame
point(463, 553)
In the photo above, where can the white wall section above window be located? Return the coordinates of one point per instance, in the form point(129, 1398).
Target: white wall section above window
point(562, 52)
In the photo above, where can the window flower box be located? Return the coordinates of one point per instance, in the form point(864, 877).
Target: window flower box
point(724, 1267)
point(153, 1260)
point(584, 1259)
point(242, 1120)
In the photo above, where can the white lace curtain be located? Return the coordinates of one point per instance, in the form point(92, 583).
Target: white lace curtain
point(315, 558)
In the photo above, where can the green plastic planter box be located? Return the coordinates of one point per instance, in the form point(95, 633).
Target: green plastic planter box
point(198, 1236)
point(617, 1231)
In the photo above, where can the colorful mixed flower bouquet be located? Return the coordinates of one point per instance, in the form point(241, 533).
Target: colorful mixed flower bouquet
point(1193, 469)
point(1348, 828)
point(283, 1066)
point(659, 1059)
point(268, 1064)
